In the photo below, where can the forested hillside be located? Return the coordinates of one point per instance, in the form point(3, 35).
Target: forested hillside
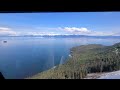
point(85, 59)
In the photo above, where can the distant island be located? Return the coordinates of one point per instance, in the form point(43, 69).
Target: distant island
point(84, 60)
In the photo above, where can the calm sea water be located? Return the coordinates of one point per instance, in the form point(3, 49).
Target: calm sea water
point(21, 57)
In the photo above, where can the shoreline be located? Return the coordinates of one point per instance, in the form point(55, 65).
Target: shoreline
point(69, 56)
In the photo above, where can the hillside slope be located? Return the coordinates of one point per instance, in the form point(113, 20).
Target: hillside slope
point(85, 59)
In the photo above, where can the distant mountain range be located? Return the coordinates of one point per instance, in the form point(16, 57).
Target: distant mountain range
point(70, 36)
point(65, 36)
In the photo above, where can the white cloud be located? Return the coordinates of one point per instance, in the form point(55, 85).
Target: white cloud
point(4, 29)
point(7, 31)
point(85, 31)
point(74, 29)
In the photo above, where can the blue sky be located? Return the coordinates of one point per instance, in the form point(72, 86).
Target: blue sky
point(83, 23)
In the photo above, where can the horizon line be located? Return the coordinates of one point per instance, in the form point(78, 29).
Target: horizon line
point(59, 35)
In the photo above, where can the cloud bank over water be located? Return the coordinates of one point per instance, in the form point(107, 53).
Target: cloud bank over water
point(6, 31)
